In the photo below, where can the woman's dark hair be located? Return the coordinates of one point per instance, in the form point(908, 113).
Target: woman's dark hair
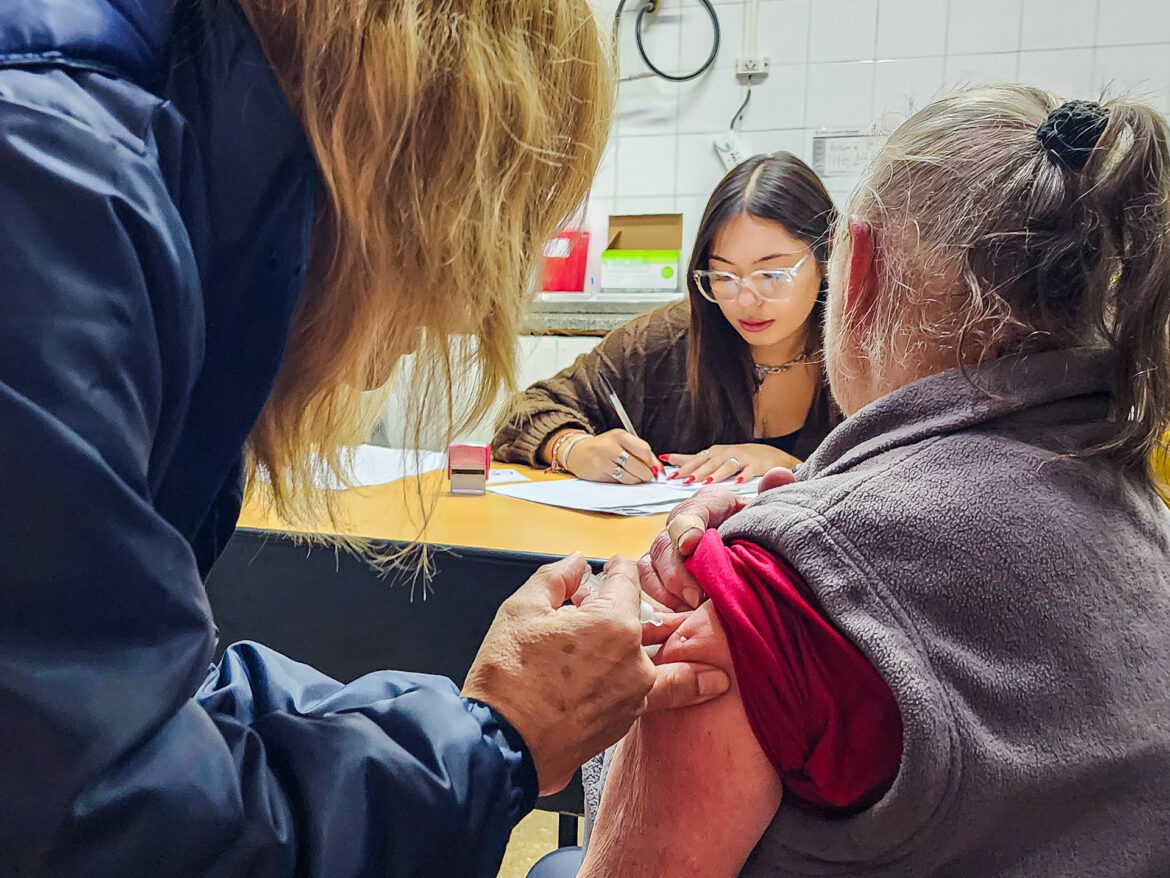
point(721, 376)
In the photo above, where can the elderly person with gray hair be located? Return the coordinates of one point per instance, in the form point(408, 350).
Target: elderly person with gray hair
point(951, 634)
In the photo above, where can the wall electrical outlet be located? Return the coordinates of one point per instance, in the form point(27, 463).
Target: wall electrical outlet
point(754, 66)
point(730, 148)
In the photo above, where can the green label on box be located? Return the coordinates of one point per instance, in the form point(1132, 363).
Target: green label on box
point(639, 257)
point(639, 270)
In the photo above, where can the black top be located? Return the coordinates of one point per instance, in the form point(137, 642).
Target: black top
point(785, 443)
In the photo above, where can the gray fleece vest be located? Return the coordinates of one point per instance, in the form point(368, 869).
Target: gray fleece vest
point(1017, 602)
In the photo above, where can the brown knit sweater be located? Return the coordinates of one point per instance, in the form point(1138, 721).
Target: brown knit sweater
point(646, 361)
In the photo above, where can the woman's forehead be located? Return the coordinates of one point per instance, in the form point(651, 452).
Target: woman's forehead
point(746, 238)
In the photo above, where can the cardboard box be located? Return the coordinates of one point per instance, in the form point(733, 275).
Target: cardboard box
point(643, 252)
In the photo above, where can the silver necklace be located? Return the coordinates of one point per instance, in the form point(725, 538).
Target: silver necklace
point(763, 371)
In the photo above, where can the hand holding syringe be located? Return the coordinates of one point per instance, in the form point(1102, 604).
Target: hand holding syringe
point(592, 581)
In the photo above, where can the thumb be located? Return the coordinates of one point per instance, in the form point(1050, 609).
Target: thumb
point(686, 532)
point(652, 634)
point(776, 477)
point(709, 507)
point(620, 587)
point(682, 684)
point(553, 584)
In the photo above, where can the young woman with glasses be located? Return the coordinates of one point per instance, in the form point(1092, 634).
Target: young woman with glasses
point(725, 385)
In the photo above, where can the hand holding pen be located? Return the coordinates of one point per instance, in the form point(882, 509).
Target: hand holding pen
point(640, 448)
point(614, 456)
point(618, 455)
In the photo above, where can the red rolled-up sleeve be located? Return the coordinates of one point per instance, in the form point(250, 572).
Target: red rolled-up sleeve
point(824, 717)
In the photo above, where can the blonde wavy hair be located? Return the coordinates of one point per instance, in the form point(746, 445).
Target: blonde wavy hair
point(452, 138)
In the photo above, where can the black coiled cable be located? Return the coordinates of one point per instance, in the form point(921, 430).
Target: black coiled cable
point(651, 6)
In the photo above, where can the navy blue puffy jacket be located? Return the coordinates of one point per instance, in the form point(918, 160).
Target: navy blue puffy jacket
point(156, 195)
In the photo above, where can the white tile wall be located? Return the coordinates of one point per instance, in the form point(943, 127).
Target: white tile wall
point(699, 167)
point(984, 26)
point(840, 94)
point(838, 63)
point(1122, 22)
point(911, 28)
point(783, 31)
point(1064, 71)
point(842, 30)
point(905, 85)
point(852, 63)
point(779, 102)
point(1058, 24)
point(983, 67)
point(646, 165)
point(1139, 71)
point(697, 35)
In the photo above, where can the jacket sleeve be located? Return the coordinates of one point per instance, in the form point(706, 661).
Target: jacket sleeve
point(118, 754)
point(574, 396)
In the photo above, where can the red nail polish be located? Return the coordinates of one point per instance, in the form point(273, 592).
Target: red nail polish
point(673, 475)
point(738, 479)
point(688, 480)
point(654, 471)
point(708, 480)
point(665, 458)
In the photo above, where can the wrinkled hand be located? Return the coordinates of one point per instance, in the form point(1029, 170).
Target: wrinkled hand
point(571, 679)
point(694, 636)
point(722, 462)
point(595, 458)
point(662, 572)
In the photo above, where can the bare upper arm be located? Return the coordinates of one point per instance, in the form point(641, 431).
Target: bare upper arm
point(690, 791)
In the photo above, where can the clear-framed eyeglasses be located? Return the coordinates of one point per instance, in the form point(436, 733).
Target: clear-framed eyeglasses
point(770, 284)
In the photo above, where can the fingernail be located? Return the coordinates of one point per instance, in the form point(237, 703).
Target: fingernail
point(665, 458)
point(708, 480)
point(688, 480)
point(738, 479)
point(712, 682)
point(654, 471)
point(692, 533)
point(692, 596)
point(672, 476)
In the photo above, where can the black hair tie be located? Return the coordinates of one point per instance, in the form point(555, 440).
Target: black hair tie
point(1071, 132)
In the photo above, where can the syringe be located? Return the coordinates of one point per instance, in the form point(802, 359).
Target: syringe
point(593, 581)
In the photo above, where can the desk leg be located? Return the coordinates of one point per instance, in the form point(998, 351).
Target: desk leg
point(566, 830)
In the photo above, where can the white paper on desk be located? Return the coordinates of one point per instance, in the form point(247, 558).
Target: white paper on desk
point(650, 498)
point(369, 465)
point(503, 476)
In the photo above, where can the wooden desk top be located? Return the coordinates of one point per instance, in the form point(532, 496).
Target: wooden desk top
point(393, 512)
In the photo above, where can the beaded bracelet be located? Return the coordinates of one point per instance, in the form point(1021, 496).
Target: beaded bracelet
point(555, 465)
